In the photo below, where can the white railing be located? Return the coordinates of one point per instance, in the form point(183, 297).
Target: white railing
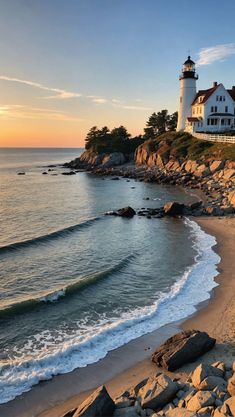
point(214, 138)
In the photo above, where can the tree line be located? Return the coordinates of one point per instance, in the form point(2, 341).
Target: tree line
point(119, 140)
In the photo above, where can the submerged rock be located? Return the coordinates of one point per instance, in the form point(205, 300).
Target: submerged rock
point(182, 348)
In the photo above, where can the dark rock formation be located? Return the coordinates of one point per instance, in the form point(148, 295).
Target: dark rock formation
point(173, 209)
point(68, 173)
point(98, 404)
point(182, 348)
point(128, 212)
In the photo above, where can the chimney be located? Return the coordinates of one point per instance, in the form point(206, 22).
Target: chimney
point(215, 84)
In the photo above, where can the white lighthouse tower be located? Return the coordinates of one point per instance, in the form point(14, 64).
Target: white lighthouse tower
point(188, 79)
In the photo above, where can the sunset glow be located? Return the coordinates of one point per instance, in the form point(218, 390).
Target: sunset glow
point(65, 68)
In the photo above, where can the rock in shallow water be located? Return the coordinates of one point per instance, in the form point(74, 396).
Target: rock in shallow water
point(182, 348)
point(173, 209)
point(123, 212)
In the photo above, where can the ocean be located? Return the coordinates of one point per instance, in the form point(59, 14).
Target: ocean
point(76, 284)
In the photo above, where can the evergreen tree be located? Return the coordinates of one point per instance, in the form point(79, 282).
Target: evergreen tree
point(172, 122)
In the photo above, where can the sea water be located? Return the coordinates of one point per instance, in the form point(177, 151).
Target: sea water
point(74, 283)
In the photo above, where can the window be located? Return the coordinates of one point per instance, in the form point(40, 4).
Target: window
point(213, 109)
point(220, 98)
point(212, 122)
point(226, 109)
point(229, 121)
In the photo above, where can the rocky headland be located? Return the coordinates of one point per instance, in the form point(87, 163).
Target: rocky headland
point(175, 159)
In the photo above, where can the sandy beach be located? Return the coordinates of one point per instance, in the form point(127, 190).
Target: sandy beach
point(131, 363)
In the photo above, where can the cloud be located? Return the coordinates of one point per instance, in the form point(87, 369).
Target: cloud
point(18, 111)
point(61, 94)
point(127, 107)
point(212, 54)
point(100, 100)
point(64, 94)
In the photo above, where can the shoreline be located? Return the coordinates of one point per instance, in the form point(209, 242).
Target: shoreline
point(69, 389)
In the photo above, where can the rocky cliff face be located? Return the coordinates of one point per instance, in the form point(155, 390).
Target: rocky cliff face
point(90, 159)
point(162, 159)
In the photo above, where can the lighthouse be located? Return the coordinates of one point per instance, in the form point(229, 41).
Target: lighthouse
point(188, 80)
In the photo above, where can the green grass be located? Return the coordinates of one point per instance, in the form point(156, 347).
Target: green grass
point(182, 145)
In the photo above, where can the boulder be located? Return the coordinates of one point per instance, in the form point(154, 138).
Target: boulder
point(127, 412)
point(203, 372)
point(230, 402)
point(214, 211)
point(157, 392)
point(190, 166)
point(98, 404)
point(216, 166)
point(231, 198)
point(231, 386)
point(172, 208)
point(228, 173)
point(180, 412)
point(202, 171)
point(212, 382)
point(219, 413)
point(126, 212)
point(196, 205)
point(182, 348)
point(200, 399)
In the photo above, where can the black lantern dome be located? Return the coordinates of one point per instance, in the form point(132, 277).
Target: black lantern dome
point(188, 70)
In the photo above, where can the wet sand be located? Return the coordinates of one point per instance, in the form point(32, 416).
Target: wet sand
point(131, 363)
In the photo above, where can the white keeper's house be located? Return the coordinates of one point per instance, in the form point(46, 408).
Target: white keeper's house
point(211, 110)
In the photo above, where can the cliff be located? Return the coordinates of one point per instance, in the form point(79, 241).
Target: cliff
point(179, 147)
point(90, 159)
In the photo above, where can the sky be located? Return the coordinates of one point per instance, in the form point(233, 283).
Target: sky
point(68, 65)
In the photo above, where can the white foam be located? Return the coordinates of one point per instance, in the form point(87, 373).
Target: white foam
point(79, 350)
point(54, 296)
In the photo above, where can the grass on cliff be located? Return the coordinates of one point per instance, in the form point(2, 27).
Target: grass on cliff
point(182, 145)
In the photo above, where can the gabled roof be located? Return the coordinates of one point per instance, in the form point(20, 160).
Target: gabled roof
point(232, 93)
point(205, 93)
